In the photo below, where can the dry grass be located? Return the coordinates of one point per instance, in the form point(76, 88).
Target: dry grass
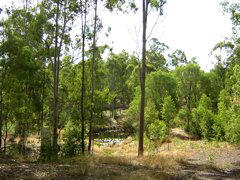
point(165, 156)
point(128, 147)
point(125, 154)
point(120, 160)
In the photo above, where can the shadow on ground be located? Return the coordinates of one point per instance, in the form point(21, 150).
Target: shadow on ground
point(11, 169)
point(190, 170)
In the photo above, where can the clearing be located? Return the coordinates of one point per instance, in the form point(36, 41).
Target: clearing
point(180, 158)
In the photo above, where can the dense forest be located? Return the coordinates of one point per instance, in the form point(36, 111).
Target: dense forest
point(56, 81)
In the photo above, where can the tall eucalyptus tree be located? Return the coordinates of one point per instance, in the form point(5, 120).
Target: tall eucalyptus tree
point(92, 73)
point(158, 4)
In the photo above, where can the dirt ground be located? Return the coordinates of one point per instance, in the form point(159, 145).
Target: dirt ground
point(181, 158)
point(24, 170)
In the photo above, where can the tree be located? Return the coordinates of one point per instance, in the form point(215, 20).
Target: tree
point(178, 58)
point(155, 57)
point(84, 12)
point(2, 77)
point(145, 12)
point(92, 73)
point(159, 85)
point(142, 78)
point(56, 69)
point(117, 76)
point(57, 30)
point(188, 78)
point(23, 59)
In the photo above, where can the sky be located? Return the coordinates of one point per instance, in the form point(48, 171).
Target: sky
point(193, 26)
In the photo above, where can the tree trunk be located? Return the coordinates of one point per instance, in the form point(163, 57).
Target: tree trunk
point(5, 138)
point(84, 21)
point(142, 79)
point(42, 101)
point(1, 107)
point(91, 138)
point(1, 118)
point(55, 87)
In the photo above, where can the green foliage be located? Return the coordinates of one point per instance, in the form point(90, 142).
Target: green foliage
point(157, 130)
point(188, 79)
point(178, 58)
point(132, 114)
point(181, 118)
point(72, 140)
point(158, 85)
point(233, 125)
point(203, 119)
point(118, 73)
point(46, 149)
point(207, 103)
point(183, 114)
point(155, 58)
point(188, 88)
point(168, 110)
point(223, 115)
point(158, 4)
point(236, 80)
point(151, 115)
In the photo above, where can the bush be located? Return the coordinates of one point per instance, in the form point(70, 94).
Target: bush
point(168, 111)
point(223, 115)
point(133, 112)
point(195, 124)
point(202, 121)
point(233, 125)
point(72, 141)
point(133, 115)
point(157, 130)
point(233, 130)
point(182, 118)
point(46, 150)
point(151, 114)
point(206, 124)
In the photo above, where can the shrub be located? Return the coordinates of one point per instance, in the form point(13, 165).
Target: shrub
point(182, 118)
point(151, 114)
point(168, 111)
point(46, 150)
point(157, 130)
point(223, 115)
point(202, 119)
point(132, 114)
point(72, 140)
point(233, 125)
